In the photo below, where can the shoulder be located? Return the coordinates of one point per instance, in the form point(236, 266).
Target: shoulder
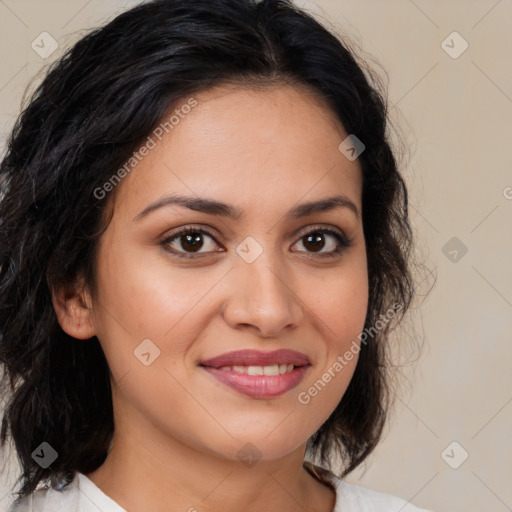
point(47, 499)
point(354, 498)
point(80, 495)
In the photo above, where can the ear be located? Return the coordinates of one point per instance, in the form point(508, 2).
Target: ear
point(73, 307)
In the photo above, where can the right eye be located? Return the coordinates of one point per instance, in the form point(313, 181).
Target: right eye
point(187, 238)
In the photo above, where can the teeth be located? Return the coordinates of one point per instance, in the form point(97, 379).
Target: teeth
point(271, 370)
point(275, 369)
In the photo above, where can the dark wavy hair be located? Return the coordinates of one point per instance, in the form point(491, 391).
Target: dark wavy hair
point(93, 109)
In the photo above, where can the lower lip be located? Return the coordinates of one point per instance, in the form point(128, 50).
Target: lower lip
point(259, 386)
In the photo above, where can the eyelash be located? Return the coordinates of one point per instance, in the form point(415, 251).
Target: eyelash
point(343, 242)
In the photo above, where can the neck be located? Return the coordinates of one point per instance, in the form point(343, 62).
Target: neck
point(150, 467)
point(166, 475)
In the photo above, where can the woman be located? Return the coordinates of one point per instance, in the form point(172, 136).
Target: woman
point(204, 245)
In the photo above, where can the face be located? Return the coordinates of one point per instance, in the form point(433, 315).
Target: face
point(264, 280)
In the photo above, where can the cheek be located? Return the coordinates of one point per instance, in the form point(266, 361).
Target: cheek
point(340, 308)
point(149, 296)
point(143, 297)
point(340, 304)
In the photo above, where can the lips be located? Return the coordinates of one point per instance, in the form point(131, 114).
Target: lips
point(259, 374)
point(257, 358)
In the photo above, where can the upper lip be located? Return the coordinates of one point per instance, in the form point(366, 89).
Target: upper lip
point(257, 358)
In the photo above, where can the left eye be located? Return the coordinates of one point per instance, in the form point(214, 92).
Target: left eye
point(192, 240)
point(316, 240)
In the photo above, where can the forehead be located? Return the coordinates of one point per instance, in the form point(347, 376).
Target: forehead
point(240, 144)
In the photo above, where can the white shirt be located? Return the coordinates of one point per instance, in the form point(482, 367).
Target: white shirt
point(82, 495)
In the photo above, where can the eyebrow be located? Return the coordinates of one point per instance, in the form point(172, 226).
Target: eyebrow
point(212, 207)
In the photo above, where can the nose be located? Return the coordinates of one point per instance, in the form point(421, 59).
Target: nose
point(261, 297)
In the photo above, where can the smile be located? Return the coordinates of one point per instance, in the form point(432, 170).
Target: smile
point(275, 369)
point(258, 374)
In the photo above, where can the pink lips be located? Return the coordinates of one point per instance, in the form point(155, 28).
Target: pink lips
point(258, 386)
point(257, 358)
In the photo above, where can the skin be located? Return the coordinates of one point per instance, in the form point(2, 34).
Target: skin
point(177, 429)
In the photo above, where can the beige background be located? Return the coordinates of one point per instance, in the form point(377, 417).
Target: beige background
point(456, 114)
